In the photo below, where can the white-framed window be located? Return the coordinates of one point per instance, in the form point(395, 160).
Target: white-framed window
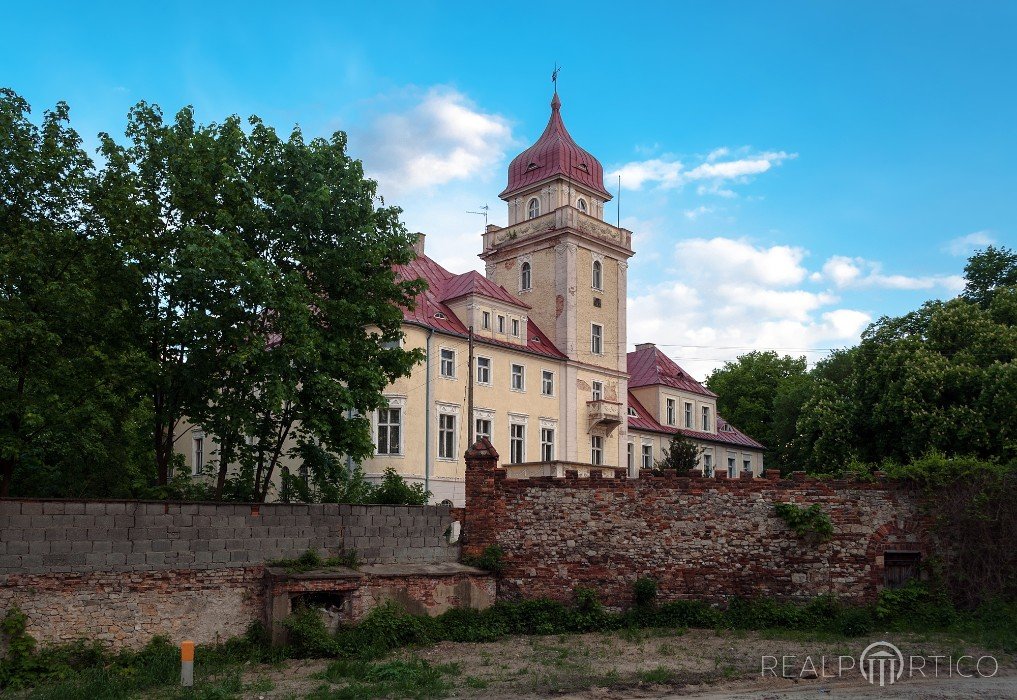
point(581, 205)
point(631, 457)
point(446, 436)
point(518, 378)
point(501, 323)
point(596, 450)
point(596, 338)
point(448, 363)
point(598, 390)
point(547, 382)
point(515, 327)
point(707, 462)
point(647, 456)
point(731, 464)
point(598, 275)
point(389, 433)
point(486, 320)
point(482, 428)
point(484, 370)
point(533, 208)
point(633, 413)
point(672, 410)
point(198, 452)
point(547, 444)
point(706, 419)
point(525, 276)
point(688, 414)
point(517, 443)
point(746, 463)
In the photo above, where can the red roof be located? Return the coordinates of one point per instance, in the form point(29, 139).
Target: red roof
point(473, 282)
point(726, 433)
point(555, 153)
point(431, 310)
point(648, 366)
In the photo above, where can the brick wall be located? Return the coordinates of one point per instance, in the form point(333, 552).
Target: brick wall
point(700, 538)
point(83, 536)
point(122, 572)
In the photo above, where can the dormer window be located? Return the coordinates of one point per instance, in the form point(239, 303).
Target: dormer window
point(533, 208)
point(531, 166)
point(583, 167)
point(581, 205)
point(598, 275)
point(524, 276)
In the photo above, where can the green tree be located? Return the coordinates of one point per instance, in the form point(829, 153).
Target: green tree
point(682, 455)
point(989, 270)
point(65, 393)
point(762, 393)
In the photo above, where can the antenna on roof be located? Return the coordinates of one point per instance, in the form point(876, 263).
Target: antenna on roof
point(618, 201)
point(481, 213)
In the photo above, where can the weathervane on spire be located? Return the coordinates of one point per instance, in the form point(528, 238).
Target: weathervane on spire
point(554, 76)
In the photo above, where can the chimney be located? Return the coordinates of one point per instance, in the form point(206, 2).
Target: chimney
point(418, 245)
point(644, 346)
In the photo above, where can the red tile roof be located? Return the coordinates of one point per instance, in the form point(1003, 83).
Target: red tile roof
point(649, 367)
point(473, 282)
point(431, 310)
point(726, 433)
point(555, 153)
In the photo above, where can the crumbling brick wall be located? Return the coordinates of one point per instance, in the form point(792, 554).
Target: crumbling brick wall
point(698, 537)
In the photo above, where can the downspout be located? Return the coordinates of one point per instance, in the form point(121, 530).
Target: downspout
point(427, 414)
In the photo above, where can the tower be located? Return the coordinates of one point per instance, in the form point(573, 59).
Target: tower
point(560, 256)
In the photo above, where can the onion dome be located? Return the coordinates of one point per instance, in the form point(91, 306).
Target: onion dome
point(555, 154)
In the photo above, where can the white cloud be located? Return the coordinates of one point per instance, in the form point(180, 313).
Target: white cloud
point(670, 172)
point(964, 245)
point(730, 296)
point(845, 272)
point(693, 214)
point(442, 137)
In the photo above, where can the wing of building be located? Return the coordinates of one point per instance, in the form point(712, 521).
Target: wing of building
point(553, 383)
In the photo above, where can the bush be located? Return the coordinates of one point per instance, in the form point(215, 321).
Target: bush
point(644, 592)
point(491, 559)
point(916, 605)
point(811, 523)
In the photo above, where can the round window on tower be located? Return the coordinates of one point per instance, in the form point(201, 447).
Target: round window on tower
point(581, 205)
point(533, 208)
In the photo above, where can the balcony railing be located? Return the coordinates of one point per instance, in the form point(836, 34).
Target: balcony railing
point(560, 218)
point(603, 413)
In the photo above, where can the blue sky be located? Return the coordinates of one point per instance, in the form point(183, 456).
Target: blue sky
point(791, 170)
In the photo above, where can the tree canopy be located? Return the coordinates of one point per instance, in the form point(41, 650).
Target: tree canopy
point(215, 275)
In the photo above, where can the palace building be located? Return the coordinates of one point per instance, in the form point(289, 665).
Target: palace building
point(553, 384)
point(554, 387)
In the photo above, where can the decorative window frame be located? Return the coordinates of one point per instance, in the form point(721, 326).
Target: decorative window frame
point(393, 401)
point(525, 260)
point(529, 210)
point(483, 414)
point(582, 205)
point(447, 409)
point(597, 258)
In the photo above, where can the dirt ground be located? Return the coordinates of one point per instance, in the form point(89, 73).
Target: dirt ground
point(667, 664)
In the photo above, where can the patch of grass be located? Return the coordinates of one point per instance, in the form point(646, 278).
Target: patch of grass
point(656, 675)
point(311, 561)
point(476, 683)
point(414, 678)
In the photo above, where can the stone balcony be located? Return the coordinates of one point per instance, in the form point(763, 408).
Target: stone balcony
point(561, 219)
point(603, 413)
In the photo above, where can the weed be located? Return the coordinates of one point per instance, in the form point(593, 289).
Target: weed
point(656, 675)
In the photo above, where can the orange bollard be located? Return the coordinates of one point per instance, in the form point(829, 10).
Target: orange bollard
point(187, 663)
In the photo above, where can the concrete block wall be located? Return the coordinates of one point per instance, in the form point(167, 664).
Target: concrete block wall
point(53, 536)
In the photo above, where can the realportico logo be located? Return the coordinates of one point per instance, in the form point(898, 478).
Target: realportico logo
point(880, 663)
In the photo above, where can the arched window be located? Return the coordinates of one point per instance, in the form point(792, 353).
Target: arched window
point(533, 208)
point(598, 275)
point(524, 276)
point(581, 205)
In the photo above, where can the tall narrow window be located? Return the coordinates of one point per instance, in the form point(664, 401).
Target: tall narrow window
point(390, 421)
point(501, 324)
point(446, 436)
point(647, 456)
point(515, 327)
point(448, 363)
point(547, 444)
point(518, 378)
point(596, 339)
point(598, 275)
point(688, 414)
point(547, 383)
point(708, 462)
point(598, 391)
point(672, 409)
point(483, 370)
point(199, 454)
point(483, 428)
point(706, 419)
point(731, 464)
point(746, 463)
point(631, 461)
point(596, 450)
point(581, 205)
point(486, 322)
point(524, 276)
point(517, 443)
point(533, 208)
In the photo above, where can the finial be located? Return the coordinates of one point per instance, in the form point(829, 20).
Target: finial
point(555, 103)
point(554, 76)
